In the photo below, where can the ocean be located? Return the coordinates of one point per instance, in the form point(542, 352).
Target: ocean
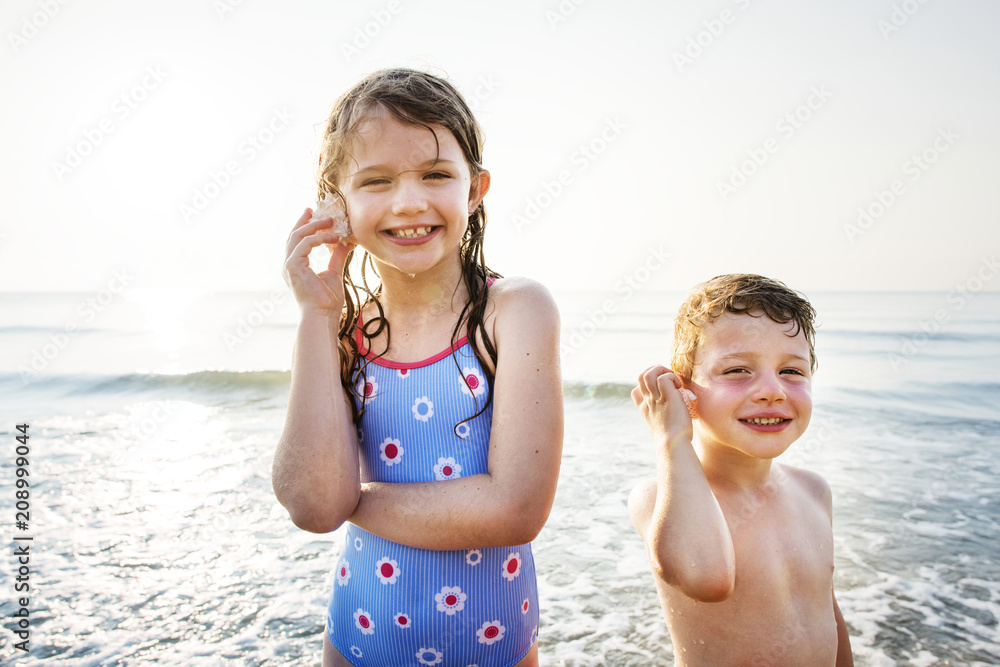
point(156, 539)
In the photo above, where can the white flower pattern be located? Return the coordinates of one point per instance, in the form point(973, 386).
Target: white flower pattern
point(447, 468)
point(491, 632)
point(450, 600)
point(472, 383)
point(511, 566)
point(423, 409)
point(391, 451)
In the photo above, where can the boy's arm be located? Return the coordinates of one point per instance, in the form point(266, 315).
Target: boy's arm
point(508, 505)
point(680, 520)
point(844, 656)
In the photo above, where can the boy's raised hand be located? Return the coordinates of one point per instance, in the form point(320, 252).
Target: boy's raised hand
point(658, 397)
point(322, 291)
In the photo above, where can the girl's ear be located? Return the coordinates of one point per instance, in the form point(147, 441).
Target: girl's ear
point(480, 186)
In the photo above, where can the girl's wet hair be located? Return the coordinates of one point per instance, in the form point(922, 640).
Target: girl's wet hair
point(738, 293)
point(420, 99)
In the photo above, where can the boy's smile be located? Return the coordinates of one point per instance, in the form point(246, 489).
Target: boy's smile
point(754, 385)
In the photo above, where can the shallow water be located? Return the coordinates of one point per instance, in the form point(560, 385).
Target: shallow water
point(158, 539)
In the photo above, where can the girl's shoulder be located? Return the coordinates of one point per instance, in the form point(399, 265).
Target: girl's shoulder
point(522, 305)
point(516, 290)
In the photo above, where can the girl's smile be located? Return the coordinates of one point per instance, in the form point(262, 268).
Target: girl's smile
point(410, 194)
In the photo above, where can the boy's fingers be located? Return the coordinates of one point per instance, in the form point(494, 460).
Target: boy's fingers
point(665, 384)
point(650, 382)
point(637, 396)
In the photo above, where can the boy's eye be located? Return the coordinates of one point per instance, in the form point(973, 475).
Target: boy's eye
point(437, 175)
point(793, 371)
point(734, 370)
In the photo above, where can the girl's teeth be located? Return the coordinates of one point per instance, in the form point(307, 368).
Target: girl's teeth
point(765, 421)
point(411, 233)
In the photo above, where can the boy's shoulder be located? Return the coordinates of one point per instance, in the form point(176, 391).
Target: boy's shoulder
point(807, 481)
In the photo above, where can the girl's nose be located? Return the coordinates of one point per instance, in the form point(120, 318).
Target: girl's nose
point(408, 199)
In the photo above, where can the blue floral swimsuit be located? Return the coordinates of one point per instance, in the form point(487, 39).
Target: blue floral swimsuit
point(397, 605)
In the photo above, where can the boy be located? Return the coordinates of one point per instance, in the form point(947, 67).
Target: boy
point(722, 524)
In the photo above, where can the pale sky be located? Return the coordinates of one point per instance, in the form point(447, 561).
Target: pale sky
point(690, 138)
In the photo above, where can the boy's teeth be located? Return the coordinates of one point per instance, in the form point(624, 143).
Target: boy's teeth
point(411, 233)
point(765, 421)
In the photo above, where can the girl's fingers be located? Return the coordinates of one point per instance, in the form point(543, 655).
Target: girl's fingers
point(302, 231)
point(299, 255)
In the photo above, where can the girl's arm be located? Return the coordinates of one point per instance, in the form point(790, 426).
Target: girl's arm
point(509, 504)
point(315, 473)
point(677, 514)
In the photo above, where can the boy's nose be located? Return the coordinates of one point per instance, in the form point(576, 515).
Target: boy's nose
point(768, 389)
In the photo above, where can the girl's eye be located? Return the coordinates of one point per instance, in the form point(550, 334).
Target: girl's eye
point(734, 370)
point(793, 371)
point(375, 181)
point(437, 176)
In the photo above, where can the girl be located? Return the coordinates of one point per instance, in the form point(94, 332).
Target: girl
point(426, 410)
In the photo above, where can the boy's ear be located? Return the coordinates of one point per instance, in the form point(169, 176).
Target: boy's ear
point(480, 186)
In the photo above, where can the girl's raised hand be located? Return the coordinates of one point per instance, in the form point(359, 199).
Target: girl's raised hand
point(323, 291)
point(658, 397)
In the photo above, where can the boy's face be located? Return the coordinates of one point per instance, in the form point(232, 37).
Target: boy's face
point(754, 385)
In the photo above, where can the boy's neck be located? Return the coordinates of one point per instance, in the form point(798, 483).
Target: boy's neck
point(733, 467)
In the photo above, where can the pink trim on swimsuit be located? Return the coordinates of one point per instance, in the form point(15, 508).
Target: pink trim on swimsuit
point(389, 363)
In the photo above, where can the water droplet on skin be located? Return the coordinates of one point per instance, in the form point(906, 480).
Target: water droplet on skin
point(412, 275)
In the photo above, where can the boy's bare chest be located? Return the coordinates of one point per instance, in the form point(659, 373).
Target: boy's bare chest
point(781, 609)
point(784, 550)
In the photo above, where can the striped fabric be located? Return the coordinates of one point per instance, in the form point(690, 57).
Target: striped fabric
point(396, 605)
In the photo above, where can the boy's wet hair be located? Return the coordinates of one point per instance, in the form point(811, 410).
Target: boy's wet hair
point(420, 99)
point(738, 293)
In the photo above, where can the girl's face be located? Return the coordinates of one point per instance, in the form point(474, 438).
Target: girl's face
point(409, 198)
